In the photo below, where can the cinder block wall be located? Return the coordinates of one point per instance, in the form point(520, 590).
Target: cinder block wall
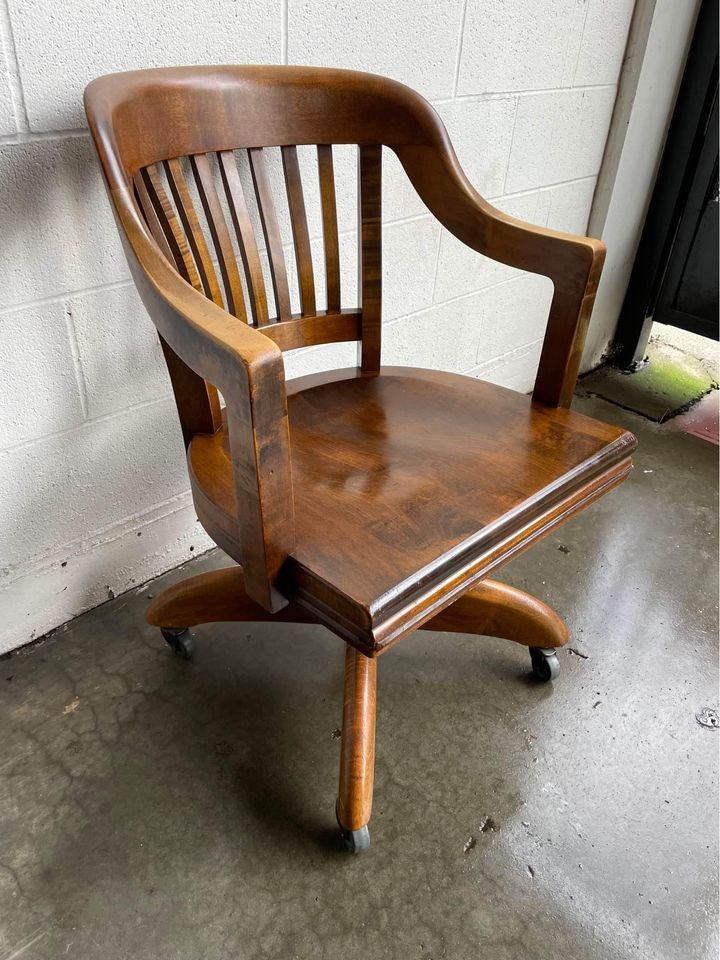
point(94, 491)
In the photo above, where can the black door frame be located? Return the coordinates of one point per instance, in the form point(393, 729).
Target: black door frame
point(681, 155)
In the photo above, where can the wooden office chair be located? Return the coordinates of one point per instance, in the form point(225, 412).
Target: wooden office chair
point(373, 500)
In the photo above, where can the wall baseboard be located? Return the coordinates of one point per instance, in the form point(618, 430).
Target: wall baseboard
point(85, 574)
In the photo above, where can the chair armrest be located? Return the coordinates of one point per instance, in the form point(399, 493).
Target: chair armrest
point(573, 263)
point(247, 368)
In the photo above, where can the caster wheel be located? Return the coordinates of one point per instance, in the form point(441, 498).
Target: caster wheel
point(545, 664)
point(355, 841)
point(181, 641)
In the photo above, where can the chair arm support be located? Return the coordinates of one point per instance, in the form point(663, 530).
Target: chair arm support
point(248, 369)
point(573, 263)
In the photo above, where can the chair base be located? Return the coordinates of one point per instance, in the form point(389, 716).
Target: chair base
point(488, 609)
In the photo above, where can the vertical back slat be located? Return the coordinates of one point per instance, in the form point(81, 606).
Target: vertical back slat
point(220, 235)
point(193, 230)
point(370, 254)
point(170, 226)
point(245, 236)
point(271, 230)
point(330, 226)
point(301, 236)
point(151, 217)
point(197, 401)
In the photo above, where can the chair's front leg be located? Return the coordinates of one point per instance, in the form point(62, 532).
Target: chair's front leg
point(357, 755)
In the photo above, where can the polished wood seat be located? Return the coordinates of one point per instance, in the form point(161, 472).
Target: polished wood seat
point(373, 500)
point(433, 479)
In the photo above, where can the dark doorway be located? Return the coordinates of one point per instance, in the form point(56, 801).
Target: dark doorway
point(675, 276)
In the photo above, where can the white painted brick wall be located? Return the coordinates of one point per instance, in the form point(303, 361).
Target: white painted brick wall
point(94, 490)
point(7, 112)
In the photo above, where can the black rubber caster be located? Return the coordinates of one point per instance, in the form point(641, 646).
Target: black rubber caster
point(545, 664)
point(180, 640)
point(354, 841)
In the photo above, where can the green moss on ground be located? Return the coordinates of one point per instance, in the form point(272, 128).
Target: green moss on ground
point(675, 381)
point(669, 383)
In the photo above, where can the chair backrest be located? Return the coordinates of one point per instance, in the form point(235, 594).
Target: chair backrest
point(175, 138)
point(177, 194)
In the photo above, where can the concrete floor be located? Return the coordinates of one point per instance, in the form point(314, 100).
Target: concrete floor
point(153, 808)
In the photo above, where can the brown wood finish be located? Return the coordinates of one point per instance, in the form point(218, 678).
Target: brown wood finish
point(218, 596)
point(245, 236)
point(493, 609)
point(150, 214)
point(193, 231)
point(370, 259)
point(174, 236)
point(390, 526)
point(331, 245)
point(197, 401)
point(372, 500)
point(490, 609)
point(324, 328)
point(220, 234)
point(301, 237)
point(357, 751)
point(271, 232)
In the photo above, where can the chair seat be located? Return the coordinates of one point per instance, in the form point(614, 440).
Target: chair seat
point(412, 485)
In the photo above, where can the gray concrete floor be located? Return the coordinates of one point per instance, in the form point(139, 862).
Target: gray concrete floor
point(153, 808)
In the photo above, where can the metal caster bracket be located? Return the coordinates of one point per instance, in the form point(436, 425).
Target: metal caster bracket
point(545, 664)
point(180, 640)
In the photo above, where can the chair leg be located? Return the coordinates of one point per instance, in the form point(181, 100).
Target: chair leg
point(357, 755)
point(495, 609)
point(215, 596)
